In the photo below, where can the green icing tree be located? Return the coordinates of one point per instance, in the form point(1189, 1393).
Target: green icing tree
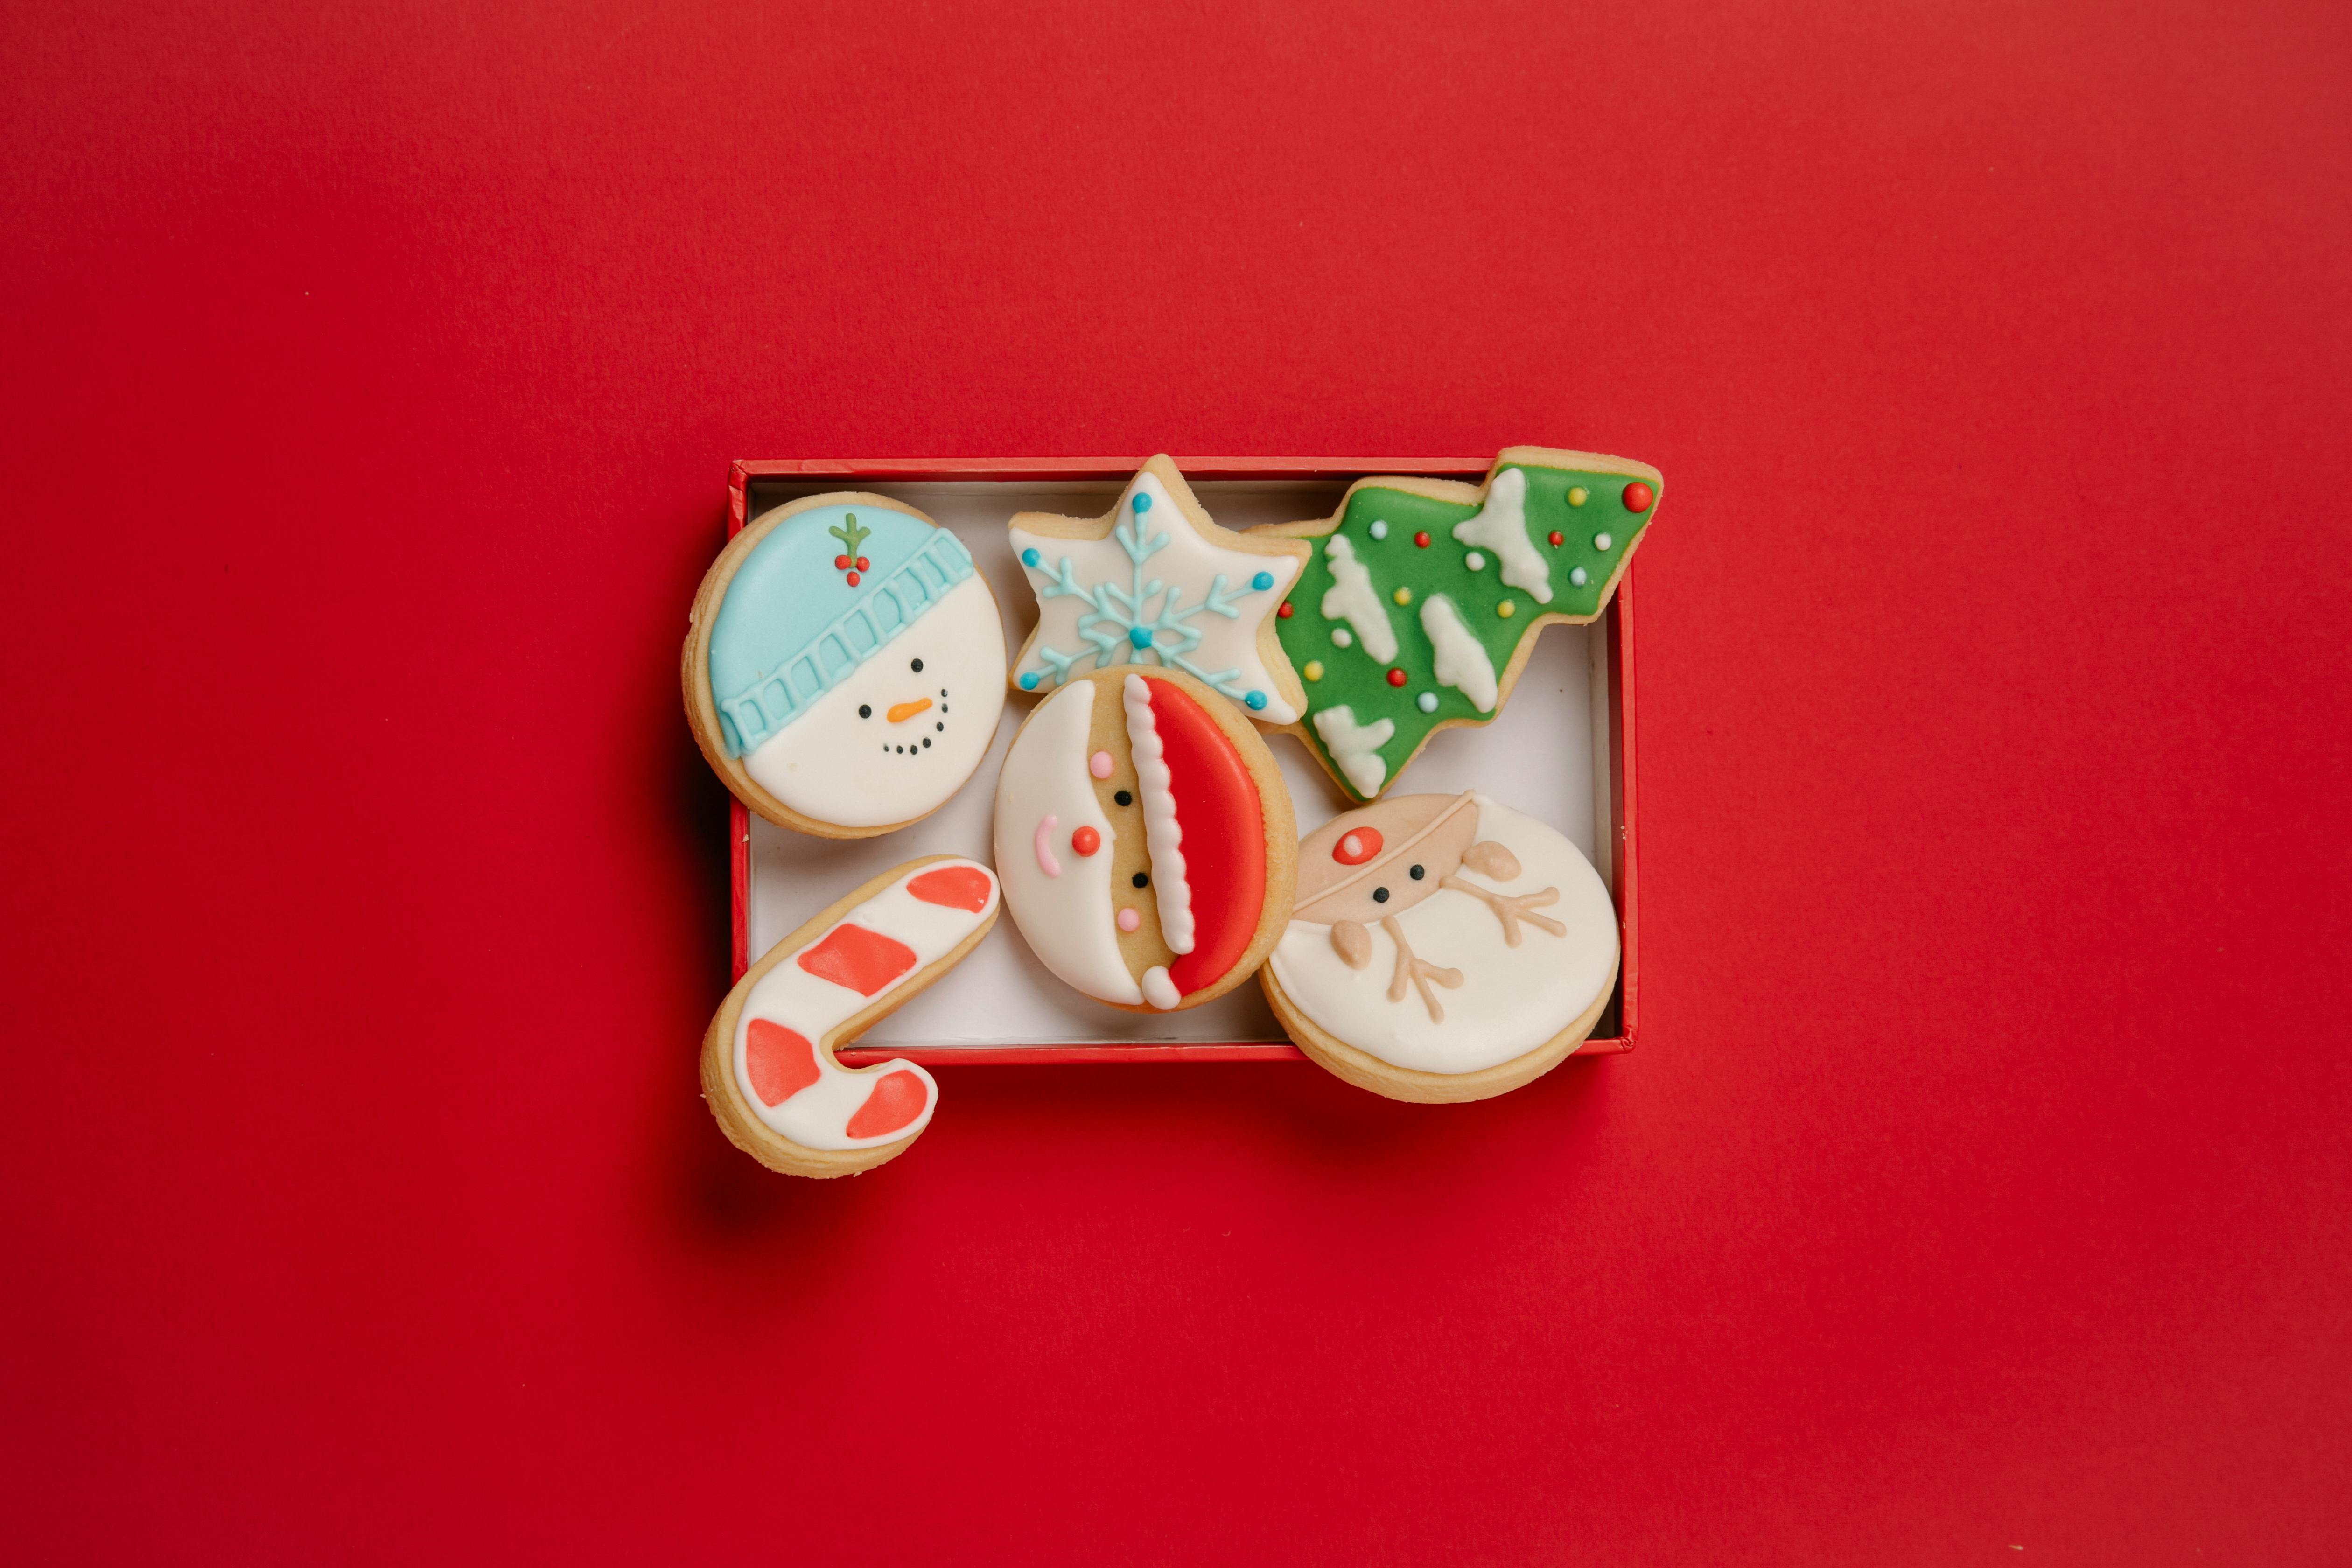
point(1383, 529)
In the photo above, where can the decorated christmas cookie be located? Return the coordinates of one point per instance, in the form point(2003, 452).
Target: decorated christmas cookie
point(1156, 582)
point(845, 666)
point(1145, 839)
point(1422, 601)
point(768, 1068)
point(1442, 948)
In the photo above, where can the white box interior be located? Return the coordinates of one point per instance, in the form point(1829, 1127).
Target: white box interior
point(1540, 755)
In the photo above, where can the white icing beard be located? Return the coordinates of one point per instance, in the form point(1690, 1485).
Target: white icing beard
point(1066, 918)
point(860, 770)
point(1511, 999)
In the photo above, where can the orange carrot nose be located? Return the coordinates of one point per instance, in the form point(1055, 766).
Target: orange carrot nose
point(901, 712)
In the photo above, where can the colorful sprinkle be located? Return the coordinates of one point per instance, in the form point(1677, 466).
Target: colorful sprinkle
point(1379, 529)
point(1396, 677)
point(1638, 497)
point(1507, 609)
point(1556, 538)
point(1602, 542)
point(1475, 560)
point(1576, 576)
point(1129, 919)
point(1342, 637)
point(1426, 702)
point(1087, 840)
point(1422, 540)
point(1403, 595)
point(1100, 764)
point(1282, 614)
point(1262, 582)
point(1314, 670)
point(1576, 494)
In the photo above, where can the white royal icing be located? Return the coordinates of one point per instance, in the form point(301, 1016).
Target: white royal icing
point(1501, 526)
point(837, 766)
point(1511, 999)
point(1159, 990)
point(1352, 598)
point(1356, 747)
point(1163, 835)
point(1197, 604)
point(1461, 662)
point(1067, 920)
point(818, 1116)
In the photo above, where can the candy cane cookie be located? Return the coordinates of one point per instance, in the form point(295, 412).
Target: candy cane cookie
point(768, 1068)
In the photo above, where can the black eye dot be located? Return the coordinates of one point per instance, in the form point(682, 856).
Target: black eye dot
point(1141, 881)
point(1380, 895)
point(866, 710)
point(1417, 873)
point(1124, 798)
point(916, 667)
point(943, 691)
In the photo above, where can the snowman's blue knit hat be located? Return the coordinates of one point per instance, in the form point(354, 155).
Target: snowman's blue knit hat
point(791, 625)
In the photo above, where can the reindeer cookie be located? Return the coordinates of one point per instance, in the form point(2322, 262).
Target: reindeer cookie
point(1421, 600)
point(1442, 948)
point(1145, 839)
point(845, 666)
point(768, 1068)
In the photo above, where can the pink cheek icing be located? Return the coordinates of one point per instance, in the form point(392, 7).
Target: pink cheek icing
point(1046, 861)
point(1100, 765)
point(1129, 919)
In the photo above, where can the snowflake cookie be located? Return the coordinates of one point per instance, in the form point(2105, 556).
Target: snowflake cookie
point(1157, 583)
point(1421, 602)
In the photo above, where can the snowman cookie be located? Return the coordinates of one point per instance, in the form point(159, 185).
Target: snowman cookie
point(845, 666)
point(768, 1068)
point(1145, 839)
point(1442, 948)
point(1421, 602)
point(1155, 582)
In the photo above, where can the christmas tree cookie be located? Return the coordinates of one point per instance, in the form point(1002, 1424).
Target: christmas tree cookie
point(1421, 600)
point(1157, 583)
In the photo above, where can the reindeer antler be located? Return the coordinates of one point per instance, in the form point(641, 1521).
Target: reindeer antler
point(1418, 971)
point(1511, 910)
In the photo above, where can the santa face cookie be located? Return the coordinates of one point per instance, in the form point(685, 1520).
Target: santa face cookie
point(845, 666)
point(1157, 583)
point(1442, 948)
point(768, 1068)
point(1421, 602)
point(1145, 839)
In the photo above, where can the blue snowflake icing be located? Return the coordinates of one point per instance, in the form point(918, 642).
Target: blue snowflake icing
point(1118, 630)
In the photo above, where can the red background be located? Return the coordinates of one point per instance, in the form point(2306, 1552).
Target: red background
point(1981, 1181)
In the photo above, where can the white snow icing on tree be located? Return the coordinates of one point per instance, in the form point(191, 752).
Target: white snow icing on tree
point(1102, 605)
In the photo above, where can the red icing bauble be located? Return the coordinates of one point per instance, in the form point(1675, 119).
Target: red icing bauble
point(898, 1099)
point(1223, 823)
point(1086, 841)
point(841, 563)
point(864, 960)
point(853, 579)
point(1357, 845)
point(953, 886)
point(1555, 538)
point(781, 1061)
point(1422, 540)
point(1638, 497)
point(1282, 614)
point(1396, 677)
point(863, 563)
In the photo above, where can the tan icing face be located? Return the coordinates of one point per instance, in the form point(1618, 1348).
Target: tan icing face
point(1420, 840)
point(1143, 947)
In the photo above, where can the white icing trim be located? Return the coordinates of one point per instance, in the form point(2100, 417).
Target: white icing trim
point(1461, 662)
point(1163, 835)
point(1501, 526)
point(811, 1006)
point(1356, 747)
point(1352, 598)
point(1067, 920)
point(1159, 990)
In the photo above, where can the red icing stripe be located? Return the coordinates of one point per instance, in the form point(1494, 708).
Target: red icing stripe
point(1223, 823)
point(864, 960)
point(898, 1099)
point(954, 886)
point(781, 1061)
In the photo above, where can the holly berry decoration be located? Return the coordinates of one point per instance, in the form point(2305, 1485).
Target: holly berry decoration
point(852, 534)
